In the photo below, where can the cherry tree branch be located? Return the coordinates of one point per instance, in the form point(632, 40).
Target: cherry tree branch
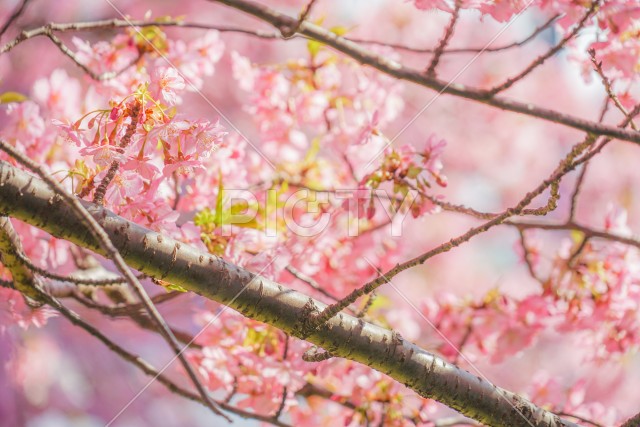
point(32, 201)
point(23, 279)
point(442, 45)
point(108, 24)
point(632, 422)
point(79, 212)
point(290, 32)
point(76, 278)
point(15, 15)
point(565, 166)
point(597, 66)
point(401, 72)
point(542, 58)
point(146, 367)
point(71, 55)
point(571, 225)
point(489, 49)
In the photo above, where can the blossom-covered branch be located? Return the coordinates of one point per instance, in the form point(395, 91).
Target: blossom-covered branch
point(27, 198)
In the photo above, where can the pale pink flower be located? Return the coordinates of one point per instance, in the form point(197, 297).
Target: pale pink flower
point(170, 82)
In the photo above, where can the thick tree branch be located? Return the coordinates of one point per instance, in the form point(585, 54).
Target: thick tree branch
point(81, 215)
point(31, 200)
point(10, 249)
point(146, 367)
point(402, 72)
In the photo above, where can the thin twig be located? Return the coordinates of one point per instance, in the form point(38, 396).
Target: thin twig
point(144, 366)
point(573, 226)
point(310, 281)
point(121, 23)
point(98, 77)
point(287, 33)
point(283, 401)
point(451, 207)
point(527, 255)
point(402, 72)
point(448, 33)
point(98, 197)
point(15, 15)
point(564, 167)
point(490, 49)
point(576, 191)
point(597, 65)
point(70, 279)
point(367, 305)
point(574, 256)
point(126, 309)
point(542, 58)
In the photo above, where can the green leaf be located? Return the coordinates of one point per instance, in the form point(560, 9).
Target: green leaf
point(8, 97)
point(313, 150)
point(219, 201)
point(178, 288)
point(414, 171)
point(314, 47)
point(339, 30)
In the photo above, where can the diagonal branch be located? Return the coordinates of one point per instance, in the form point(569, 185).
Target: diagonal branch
point(31, 200)
point(145, 366)
point(542, 58)
point(15, 15)
point(489, 49)
point(565, 166)
point(399, 71)
point(78, 213)
point(442, 45)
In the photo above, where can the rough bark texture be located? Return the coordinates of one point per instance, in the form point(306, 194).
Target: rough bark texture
point(31, 200)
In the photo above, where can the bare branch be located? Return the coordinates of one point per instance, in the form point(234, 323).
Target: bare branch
point(309, 281)
point(576, 191)
point(571, 225)
point(542, 58)
point(527, 255)
point(15, 15)
point(121, 23)
point(442, 45)
point(290, 32)
point(489, 49)
point(597, 65)
point(69, 53)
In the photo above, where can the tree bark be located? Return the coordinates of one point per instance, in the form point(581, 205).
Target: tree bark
point(29, 199)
